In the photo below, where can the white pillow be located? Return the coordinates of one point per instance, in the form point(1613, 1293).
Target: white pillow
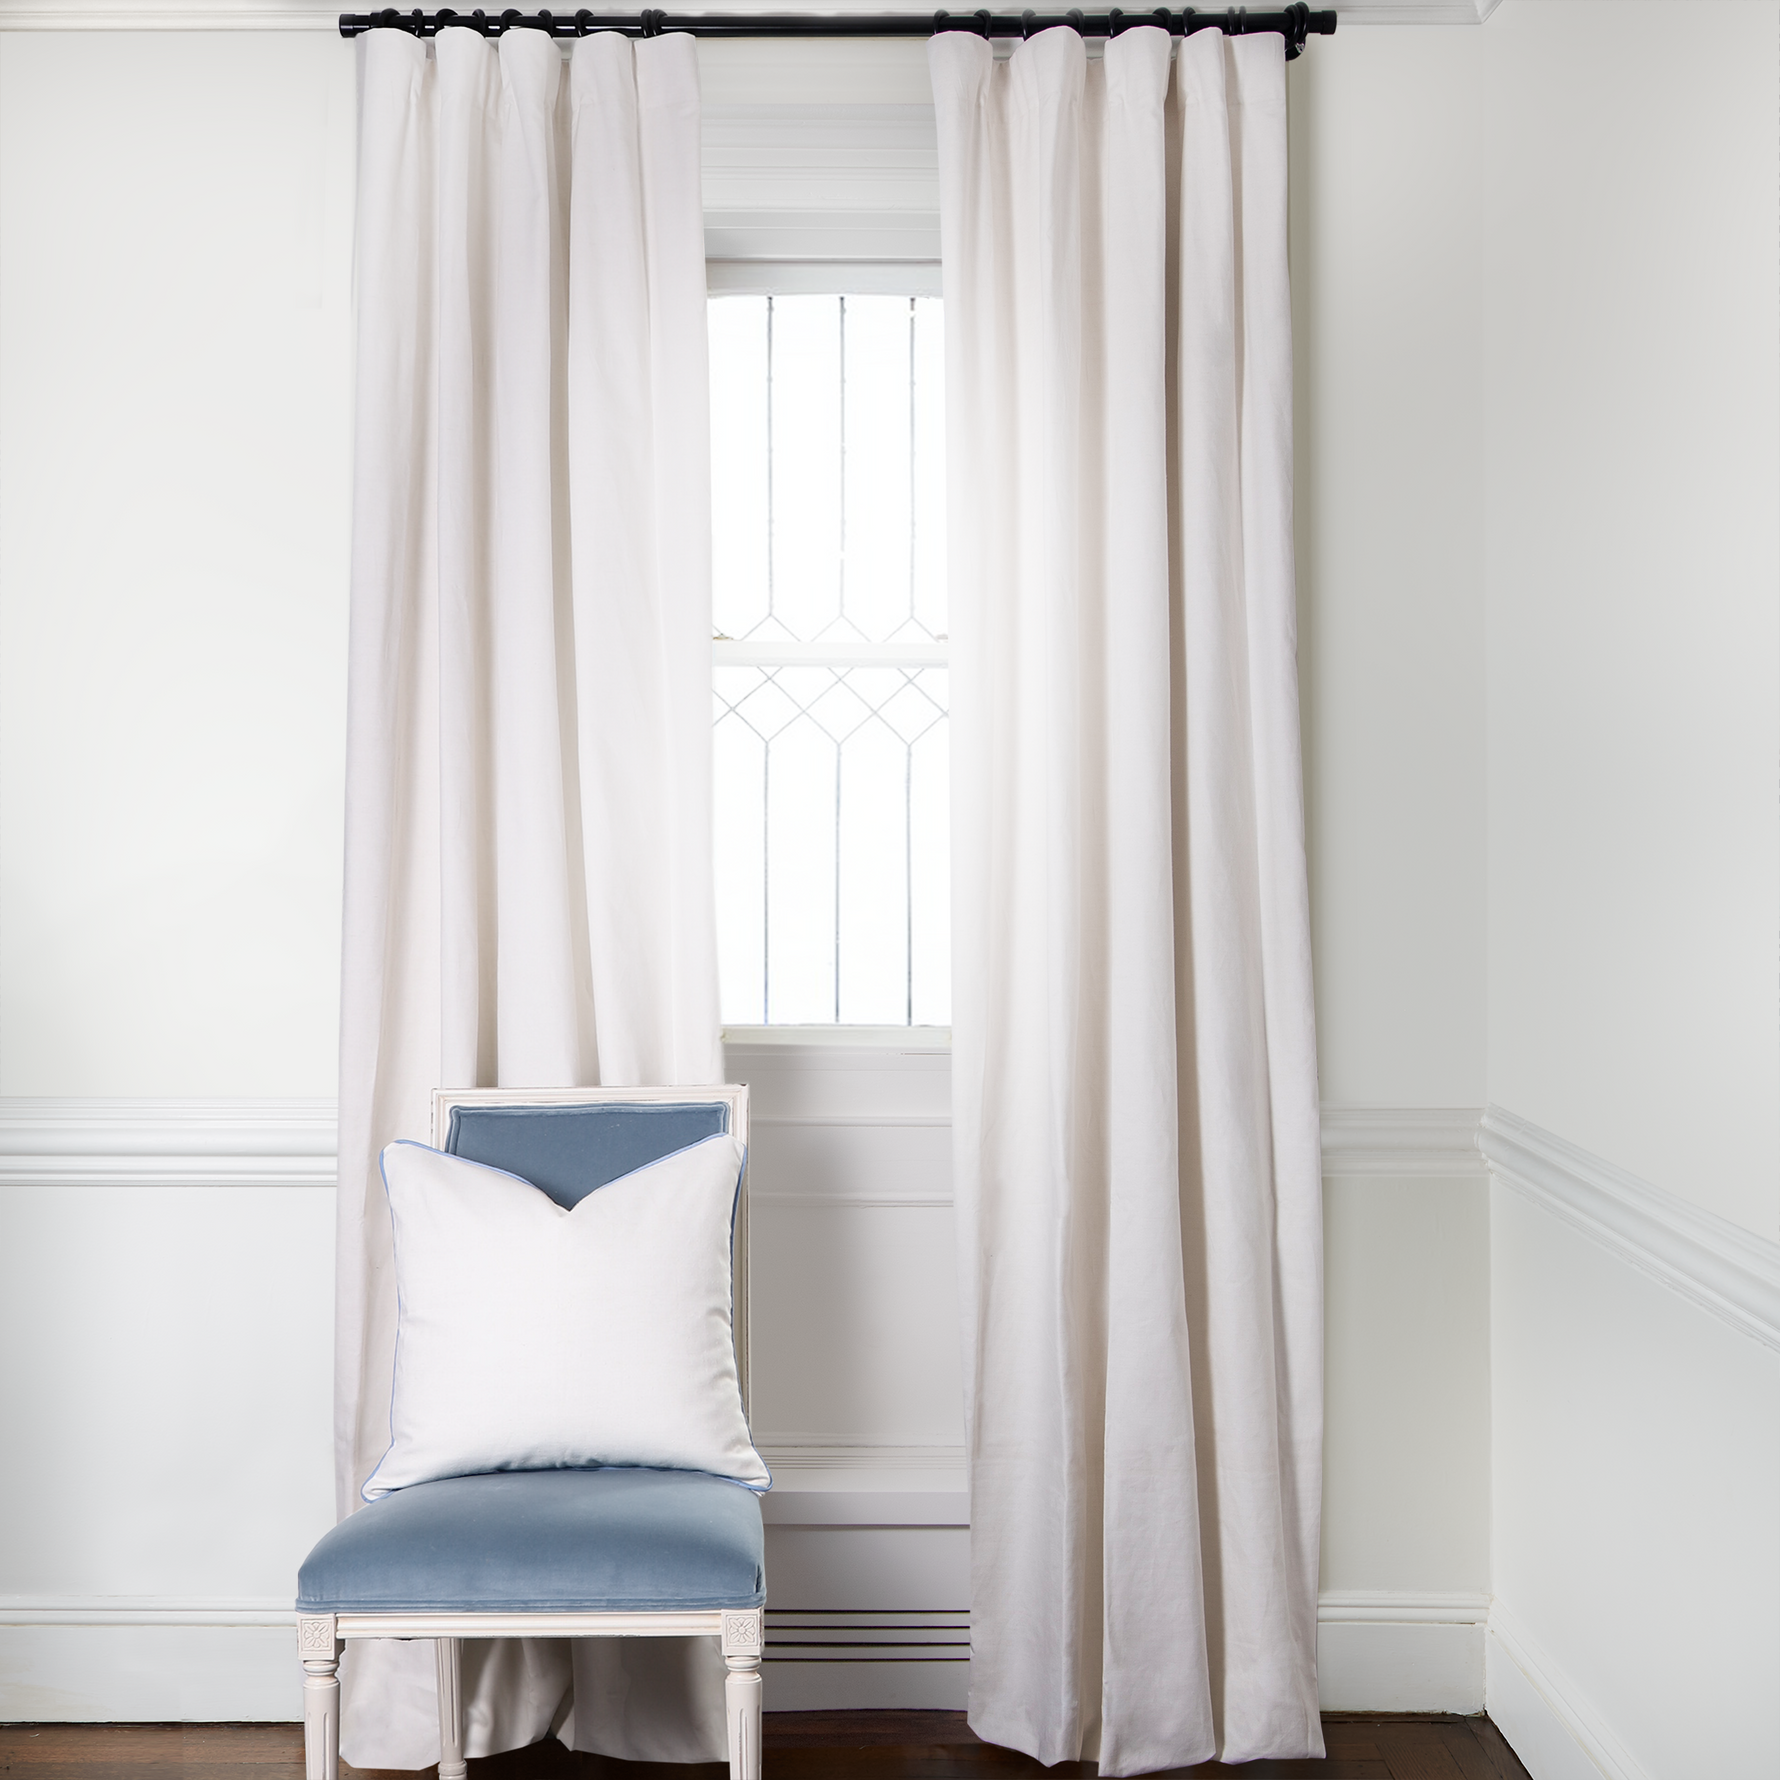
point(530, 1337)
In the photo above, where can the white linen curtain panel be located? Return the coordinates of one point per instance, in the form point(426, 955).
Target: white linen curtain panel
point(1134, 1070)
point(528, 873)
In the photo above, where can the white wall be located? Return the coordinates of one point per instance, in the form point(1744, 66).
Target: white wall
point(175, 245)
point(1535, 277)
point(1637, 1549)
point(1634, 726)
point(1388, 310)
point(175, 229)
point(1633, 449)
point(175, 367)
point(1386, 168)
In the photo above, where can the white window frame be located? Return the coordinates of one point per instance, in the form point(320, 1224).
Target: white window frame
point(839, 198)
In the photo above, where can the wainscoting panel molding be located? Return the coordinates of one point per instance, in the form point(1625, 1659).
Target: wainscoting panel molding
point(1717, 1264)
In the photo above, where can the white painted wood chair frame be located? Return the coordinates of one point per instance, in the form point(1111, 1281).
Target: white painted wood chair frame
point(321, 1637)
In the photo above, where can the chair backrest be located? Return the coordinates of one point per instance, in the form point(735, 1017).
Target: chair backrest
point(568, 1142)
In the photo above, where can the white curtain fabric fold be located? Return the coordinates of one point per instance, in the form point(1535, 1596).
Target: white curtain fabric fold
point(1134, 1075)
point(528, 880)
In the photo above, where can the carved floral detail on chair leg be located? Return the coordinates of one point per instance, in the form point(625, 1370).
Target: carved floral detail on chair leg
point(449, 1652)
point(320, 1648)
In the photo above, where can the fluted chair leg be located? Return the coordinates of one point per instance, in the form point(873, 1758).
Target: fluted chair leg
point(742, 1693)
point(452, 1765)
point(742, 1649)
point(320, 1653)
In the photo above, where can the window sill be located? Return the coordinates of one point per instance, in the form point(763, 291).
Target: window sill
point(875, 1038)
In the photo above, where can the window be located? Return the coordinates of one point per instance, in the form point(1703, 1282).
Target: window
point(829, 660)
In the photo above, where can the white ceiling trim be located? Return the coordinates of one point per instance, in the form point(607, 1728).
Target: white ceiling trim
point(81, 15)
point(1414, 12)
point(297, 15)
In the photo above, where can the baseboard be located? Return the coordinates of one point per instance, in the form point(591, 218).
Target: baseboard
point(78, 1662)
point(1555, 1731)
point(1392, 1651)
point(112, 1659)
point(849, 1661)
point(867, 1687)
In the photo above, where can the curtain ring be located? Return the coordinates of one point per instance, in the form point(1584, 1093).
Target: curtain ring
point(983, 22)
point(1074, 15)
point(443, 18)
point(652, 17)
point(1297, 28)
point(508, 21)
point(1115, 21)
point(1028, 19)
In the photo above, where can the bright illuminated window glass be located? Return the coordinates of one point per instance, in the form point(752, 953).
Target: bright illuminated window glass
point(829, 675)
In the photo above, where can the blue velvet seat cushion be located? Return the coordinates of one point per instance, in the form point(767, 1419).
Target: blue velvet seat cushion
point(567, 1151)
point(620, 1539)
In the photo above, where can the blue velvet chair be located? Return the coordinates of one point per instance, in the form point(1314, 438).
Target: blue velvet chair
point(621, 1552)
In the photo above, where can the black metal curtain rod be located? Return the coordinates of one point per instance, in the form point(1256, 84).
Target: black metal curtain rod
point(1294, 23)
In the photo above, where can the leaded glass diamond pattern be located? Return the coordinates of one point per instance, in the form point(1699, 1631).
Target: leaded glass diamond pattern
point(829, 676)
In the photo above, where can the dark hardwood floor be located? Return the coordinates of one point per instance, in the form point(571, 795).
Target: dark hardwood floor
point(799, 1746)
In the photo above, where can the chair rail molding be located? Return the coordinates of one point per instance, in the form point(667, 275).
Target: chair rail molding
point(1369, 1606)
point(1424, 1141)
point(167, 1143)
point(1716, 1264)
point(291, 1143)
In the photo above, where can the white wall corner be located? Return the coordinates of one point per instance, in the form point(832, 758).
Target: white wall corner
point(1718, 1265)
point(1556, 1733)
point(1402, 1140)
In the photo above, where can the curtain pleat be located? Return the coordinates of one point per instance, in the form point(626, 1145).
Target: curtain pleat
point(528, 888)
point(1134, 1086)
